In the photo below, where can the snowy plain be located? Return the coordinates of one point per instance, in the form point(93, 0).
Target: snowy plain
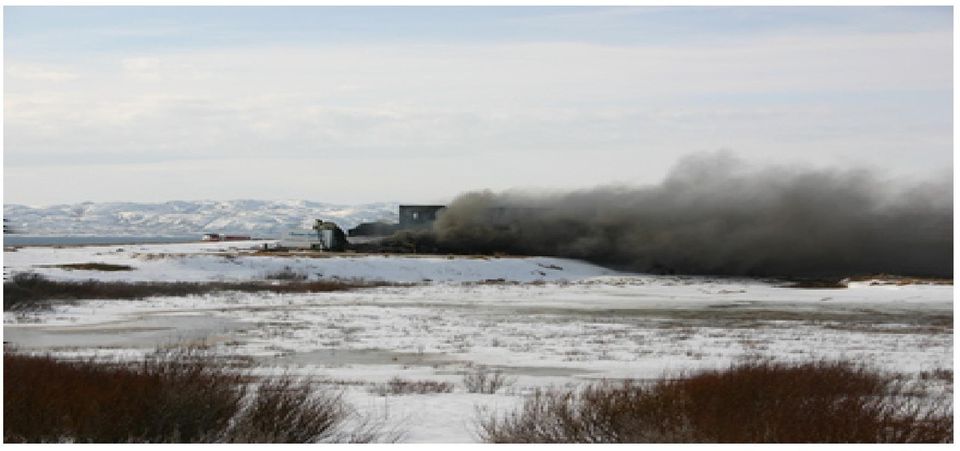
point(542, 322)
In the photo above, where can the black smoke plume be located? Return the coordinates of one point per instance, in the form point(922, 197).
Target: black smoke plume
point(714, 214)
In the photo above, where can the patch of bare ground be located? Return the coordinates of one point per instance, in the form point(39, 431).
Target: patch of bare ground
point(889, 279)
point(349, 253)
point(823, 284)
point(874, 279)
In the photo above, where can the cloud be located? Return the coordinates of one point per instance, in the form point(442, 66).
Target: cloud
point(837, 99)
point(146, 68)
point(34, 72)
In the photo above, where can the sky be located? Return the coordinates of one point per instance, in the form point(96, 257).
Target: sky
point(417, 104)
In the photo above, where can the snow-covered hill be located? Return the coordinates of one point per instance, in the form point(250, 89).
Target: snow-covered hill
point(254, 217)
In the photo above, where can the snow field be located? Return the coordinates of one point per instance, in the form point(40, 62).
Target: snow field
point(574, 325)
point(235, 261)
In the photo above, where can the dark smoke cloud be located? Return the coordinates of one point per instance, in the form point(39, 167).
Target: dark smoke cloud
point(714, 214)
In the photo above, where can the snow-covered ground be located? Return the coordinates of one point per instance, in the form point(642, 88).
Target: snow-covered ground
point(550, 322)
point(238, 260)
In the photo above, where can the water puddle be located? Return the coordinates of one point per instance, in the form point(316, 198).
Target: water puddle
point(345, 357)
point(144, 332)
point(340, 357)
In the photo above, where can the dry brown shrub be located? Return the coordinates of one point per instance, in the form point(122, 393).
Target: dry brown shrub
point(177, 397)
point(287, 273)
point(31, 290)
point(483, 380)
point(754, 402)
point(286, 411)
point(398, 386)
point(92, 266)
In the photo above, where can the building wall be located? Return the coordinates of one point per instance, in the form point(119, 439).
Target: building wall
point(416, 216)
point(301, 239)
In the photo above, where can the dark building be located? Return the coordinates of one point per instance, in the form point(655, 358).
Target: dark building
point(374, 229)
point(419, 216)
point(411, 217)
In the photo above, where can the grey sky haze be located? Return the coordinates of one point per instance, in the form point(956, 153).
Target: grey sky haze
point(355, 105)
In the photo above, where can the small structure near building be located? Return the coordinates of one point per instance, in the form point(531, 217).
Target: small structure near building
point(325, 236)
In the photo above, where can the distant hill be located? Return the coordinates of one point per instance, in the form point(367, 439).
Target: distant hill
point(266, 219)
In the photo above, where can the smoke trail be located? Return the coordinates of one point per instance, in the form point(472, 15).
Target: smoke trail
point(713, 214)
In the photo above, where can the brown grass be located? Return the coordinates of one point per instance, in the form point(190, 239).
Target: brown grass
point(172, 398)
point(756, 402)
point(31, 290)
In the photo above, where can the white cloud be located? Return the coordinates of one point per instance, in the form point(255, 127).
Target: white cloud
point(634, 107)
point(29, 72)
point(144, 68)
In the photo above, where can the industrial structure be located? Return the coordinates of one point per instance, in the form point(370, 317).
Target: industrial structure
point(325, 236)
point(381, 228)
point(411, 217)
point(419, 216)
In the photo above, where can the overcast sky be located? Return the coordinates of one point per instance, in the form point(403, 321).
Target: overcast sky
point(354, 105)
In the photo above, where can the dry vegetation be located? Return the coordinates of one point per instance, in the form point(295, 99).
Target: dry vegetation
point(173, 398)
point(398, 386)
point(287, 273)
point(93, 266)
point(757, 402)
point(46, 400)
point(874, 279)
point(482, 380)
point(890, 279)
point(31, 290)
point(184, 397)
point(825, 283)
